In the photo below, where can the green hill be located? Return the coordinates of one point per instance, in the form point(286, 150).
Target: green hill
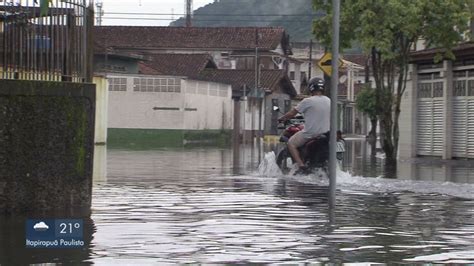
point(294, 15)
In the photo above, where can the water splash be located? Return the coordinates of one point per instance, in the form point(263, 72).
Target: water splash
point(268, 167)
point(346, 182)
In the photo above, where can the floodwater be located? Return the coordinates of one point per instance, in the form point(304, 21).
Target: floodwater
point(212, 205)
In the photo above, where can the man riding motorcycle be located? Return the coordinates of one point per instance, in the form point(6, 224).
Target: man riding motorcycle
point(316, 110)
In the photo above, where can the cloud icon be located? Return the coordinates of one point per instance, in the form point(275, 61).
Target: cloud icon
point(41, 226)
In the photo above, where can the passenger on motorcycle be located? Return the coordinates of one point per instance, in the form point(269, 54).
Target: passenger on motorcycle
point(316, 110)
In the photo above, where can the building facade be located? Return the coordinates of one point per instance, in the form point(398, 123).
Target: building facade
point(256, 117)
point(437, 116)
point(168, 102)
point(225, 55)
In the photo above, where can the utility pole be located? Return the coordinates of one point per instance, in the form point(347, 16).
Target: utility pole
point(100, 13)
point(334, 83)
point(310, 65)
point(256, 58)
point(258, 74)
point(244, 99)
point(257, 68)
point(189, 12)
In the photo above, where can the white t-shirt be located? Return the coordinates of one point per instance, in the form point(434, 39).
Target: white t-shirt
point(316, 110)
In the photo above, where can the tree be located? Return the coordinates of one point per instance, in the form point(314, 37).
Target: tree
point(387, 31)
point(365, 102)
point(44, 6)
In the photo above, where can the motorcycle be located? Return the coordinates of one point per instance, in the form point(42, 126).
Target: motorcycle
point(315, 153)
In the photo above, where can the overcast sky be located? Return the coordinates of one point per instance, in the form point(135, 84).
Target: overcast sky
point(145, 6)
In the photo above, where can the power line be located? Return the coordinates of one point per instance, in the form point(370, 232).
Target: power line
point(209, 20)
point(213, 15)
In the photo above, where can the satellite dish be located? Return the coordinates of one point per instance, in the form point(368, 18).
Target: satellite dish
point(343, 79)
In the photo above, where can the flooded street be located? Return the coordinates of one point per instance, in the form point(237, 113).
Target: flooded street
point(204, 205)
point(199, 205)
point(148, 132)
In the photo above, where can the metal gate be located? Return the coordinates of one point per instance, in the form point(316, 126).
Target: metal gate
point(463, 114)
point(429, 133)
point(52, 43)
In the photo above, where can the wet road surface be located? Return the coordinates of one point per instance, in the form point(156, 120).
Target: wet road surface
point(199, 205)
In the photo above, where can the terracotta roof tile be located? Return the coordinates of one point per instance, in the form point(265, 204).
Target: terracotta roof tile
point(192, 37)
point(189, 65)
point(147, 70)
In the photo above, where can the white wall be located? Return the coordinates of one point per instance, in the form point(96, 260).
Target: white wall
point(101, 109)
point(199, 106)
point(129, 109)
point(407, 141)
point(207, 105)
point(250, 115)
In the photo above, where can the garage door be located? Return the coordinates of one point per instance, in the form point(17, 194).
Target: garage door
point(429, 133)
point(470, 126)
point(463, 116)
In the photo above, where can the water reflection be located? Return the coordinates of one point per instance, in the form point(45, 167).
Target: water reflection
point(361, 160)
point(218, 218)
point(437, 170)
point(99, 173)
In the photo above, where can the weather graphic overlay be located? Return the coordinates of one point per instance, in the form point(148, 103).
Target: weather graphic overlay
point(54, 233)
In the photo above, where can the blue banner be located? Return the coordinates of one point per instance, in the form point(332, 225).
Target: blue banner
point(54, 233)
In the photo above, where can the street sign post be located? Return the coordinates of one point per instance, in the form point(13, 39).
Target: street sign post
point(335, 64)
point(325, 63)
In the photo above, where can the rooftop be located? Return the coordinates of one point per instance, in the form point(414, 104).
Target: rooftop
point(141, 37)
point(189, 65)
point(462, 49)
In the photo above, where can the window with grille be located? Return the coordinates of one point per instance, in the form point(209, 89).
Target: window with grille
point(438, 89)
point(174, 85)
point(117, 84)
point(459, 88)
point(470, 86)
point(156, 85)
point(430, 85)
point(424, 90)
point(463, 83)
